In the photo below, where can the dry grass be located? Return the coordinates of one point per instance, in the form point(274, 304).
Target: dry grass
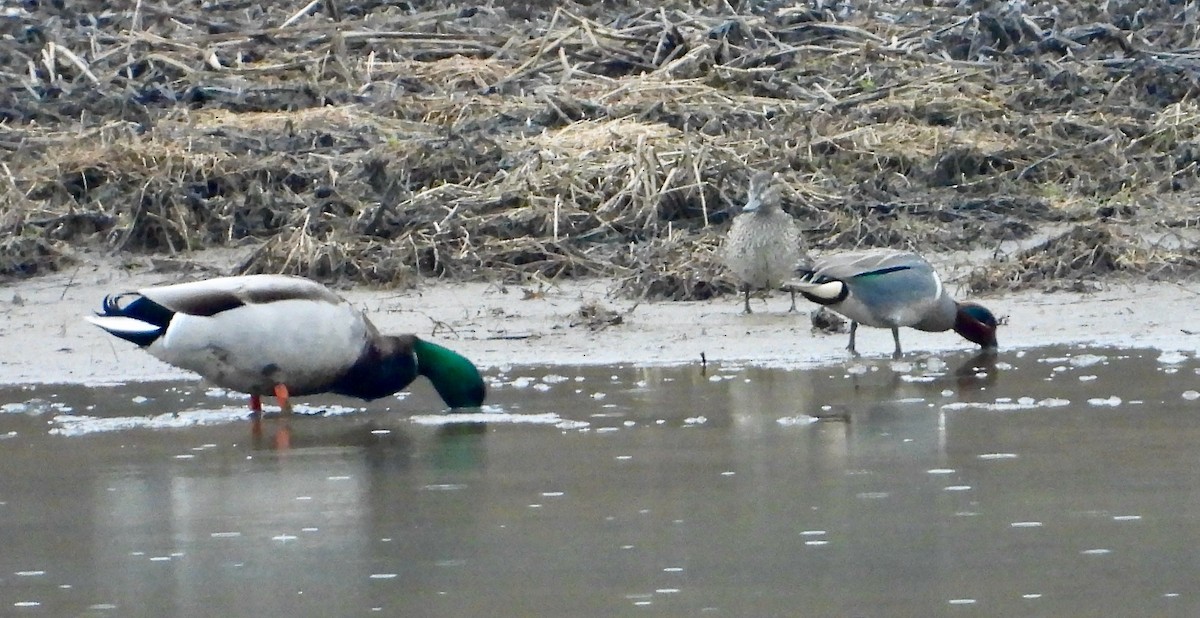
point(517, 142)
point(1087, 254)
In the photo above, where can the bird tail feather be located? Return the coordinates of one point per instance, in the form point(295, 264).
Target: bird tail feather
point(141, 321)
point(816, 286)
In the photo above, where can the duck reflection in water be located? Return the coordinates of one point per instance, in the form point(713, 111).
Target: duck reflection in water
point(968, 380)
point(323, 432)
point(456, 446)
point(976, 374)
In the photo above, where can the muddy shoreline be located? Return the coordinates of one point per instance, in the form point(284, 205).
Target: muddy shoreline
point(44, 340)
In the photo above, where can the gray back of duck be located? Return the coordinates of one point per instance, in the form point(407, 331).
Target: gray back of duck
point(890, 288)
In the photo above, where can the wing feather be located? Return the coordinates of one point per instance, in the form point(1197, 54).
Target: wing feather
point(212, 296)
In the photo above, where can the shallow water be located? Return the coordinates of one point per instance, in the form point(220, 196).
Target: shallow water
point(1045, 483)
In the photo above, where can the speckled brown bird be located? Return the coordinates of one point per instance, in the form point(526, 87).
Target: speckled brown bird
point(764, 242)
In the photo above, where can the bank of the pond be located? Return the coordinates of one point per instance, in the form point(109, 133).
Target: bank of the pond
point(43, 338)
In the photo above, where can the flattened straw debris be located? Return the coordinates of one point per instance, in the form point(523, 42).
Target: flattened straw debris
point(50, 56)
point(522, 141)
point(304, 12)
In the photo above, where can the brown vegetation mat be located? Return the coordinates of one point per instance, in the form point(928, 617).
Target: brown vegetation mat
point(1078, 258)
point(379, 143)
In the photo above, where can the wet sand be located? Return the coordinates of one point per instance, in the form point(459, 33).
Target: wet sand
point(43, 339)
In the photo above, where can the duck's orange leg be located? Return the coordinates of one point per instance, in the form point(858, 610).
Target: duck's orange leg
point(256, 418)
point(281, 395)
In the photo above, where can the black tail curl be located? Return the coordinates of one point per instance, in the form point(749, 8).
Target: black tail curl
point(805, 275)
point(140, 308)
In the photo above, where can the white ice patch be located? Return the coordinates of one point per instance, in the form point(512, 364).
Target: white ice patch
point(309, 410)
point(1024, 403)
point(1087, 360)
point(547, 418)
point(1172, 357)
point(1111, 402)
point(521, 382)
point(34, 407)
point(77, 425)
point(935, 364)
point(71, 425)
point(792, 421)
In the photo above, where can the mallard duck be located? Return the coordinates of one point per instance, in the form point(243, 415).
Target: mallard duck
point(764, 242)
point(283, 336)
point(889, 289)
